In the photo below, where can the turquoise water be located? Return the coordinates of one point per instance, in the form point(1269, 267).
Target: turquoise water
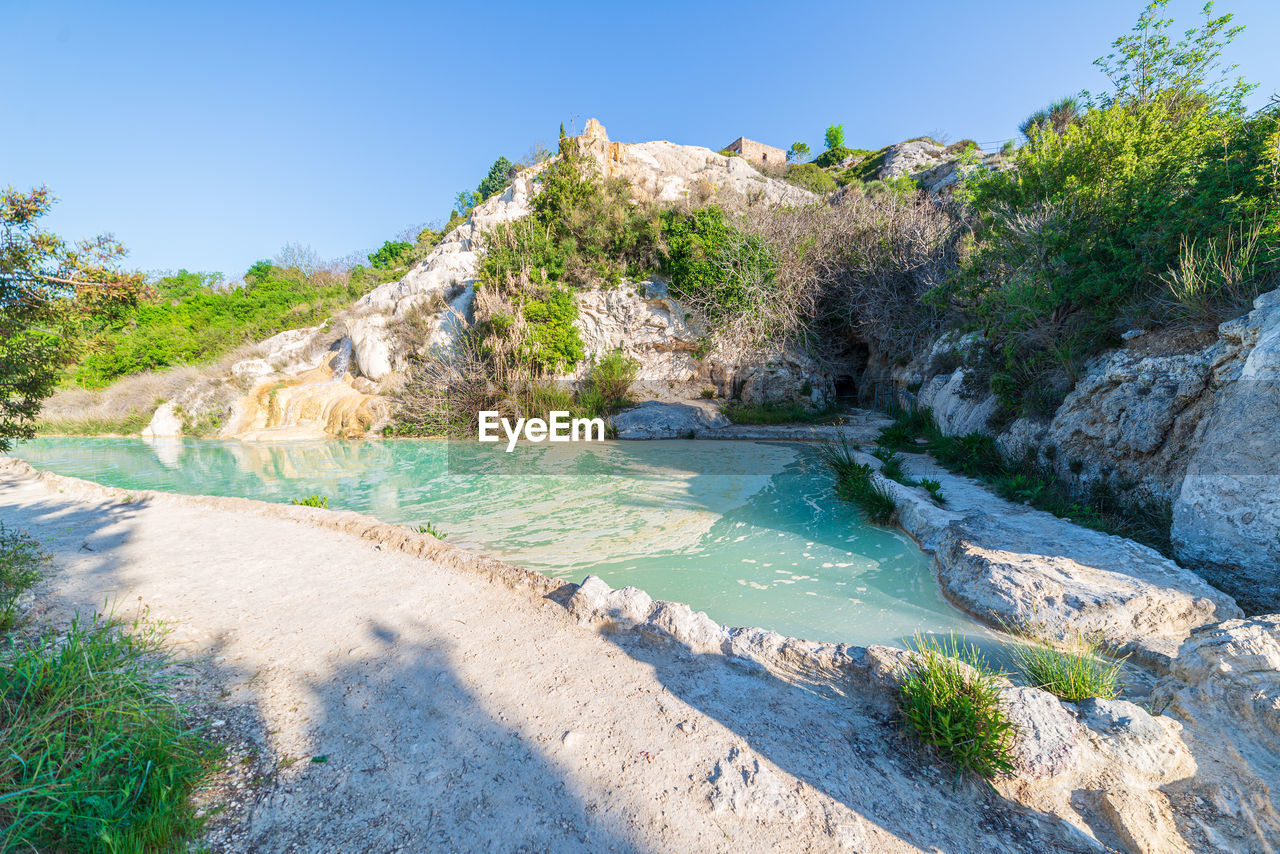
point(749, 532)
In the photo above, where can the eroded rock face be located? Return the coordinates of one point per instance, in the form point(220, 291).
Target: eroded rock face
point(1226, 519)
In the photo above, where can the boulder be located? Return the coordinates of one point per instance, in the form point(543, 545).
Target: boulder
point(165, 422)
point(656, 419)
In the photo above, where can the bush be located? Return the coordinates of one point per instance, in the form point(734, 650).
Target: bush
point(321, 501)
point(1090, 222)
point(810, 177)
point(94, 756)
point(856, 482)
point(608, 385)
point(713, 265)
point(950, 699)
point(832, 157)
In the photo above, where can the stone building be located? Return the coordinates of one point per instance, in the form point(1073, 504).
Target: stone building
point(757, 152)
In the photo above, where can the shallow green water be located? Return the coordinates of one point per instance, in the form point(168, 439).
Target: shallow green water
point(749, 532)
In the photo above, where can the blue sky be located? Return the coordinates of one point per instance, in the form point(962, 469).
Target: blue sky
point(207, 135)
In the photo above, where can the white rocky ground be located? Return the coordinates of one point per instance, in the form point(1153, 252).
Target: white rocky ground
point(461, 702)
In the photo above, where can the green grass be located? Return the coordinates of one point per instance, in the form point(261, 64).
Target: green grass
point(949, 699)
point(776, 413)
point(94, 755)
point(431, 529)
point(1080, 671)
point(126, 425)
point(934, 488)
point(856, 483)
point(321, 501)
point(22, 563)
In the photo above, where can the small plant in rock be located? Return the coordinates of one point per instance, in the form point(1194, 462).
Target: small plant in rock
point(856, 482)
point(934, 488)
point(892, 466)
point(321, 501)
point(949, 698)
point(431, 529)
point(22, 562)
point(1074, 670)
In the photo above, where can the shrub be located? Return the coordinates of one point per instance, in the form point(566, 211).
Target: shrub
point(832, 157)
point(321, 501)
point(713, 265)
point(856, 482)
point(950, 700)
point(94, 755)
point(810, 177)
point(1076, 673)
point(610, 379)
point(1088, 226)
point(554, 343)
point(22, 562)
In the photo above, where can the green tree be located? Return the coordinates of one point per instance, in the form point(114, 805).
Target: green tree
point(392, 255)
point(259, 272)
point(497, 180)
point(1147, 63)
point(798, 151)
point(834, 137)
point(48, 290)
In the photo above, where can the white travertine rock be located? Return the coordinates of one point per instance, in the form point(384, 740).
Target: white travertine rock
point(165, 422)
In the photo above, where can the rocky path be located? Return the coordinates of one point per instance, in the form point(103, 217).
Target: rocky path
point(455, 713)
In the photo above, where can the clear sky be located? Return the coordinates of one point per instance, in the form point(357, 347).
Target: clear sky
point(206, 135)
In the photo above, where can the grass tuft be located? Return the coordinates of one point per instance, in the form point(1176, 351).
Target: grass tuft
point(431, 529)
point(321, 501)
point(856, 482)
point(1079, 672)
point(950, 700)
point(94, 756)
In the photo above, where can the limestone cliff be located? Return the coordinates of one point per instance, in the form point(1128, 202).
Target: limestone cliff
point(303, 384)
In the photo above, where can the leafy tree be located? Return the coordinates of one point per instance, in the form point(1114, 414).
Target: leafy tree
point(259, 272)
point(497, 180)
point(48, 290)
point(798, 151)
point(393, 255)
point(834, 137)
point(1147, 64)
